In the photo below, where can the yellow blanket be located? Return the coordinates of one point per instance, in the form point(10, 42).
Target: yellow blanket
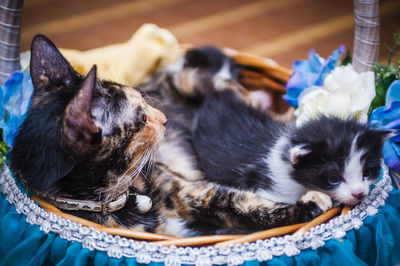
point(150, 49)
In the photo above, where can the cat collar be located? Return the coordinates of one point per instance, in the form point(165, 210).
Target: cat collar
point(105, 208)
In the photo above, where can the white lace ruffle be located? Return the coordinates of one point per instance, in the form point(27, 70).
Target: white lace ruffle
point(145, 252)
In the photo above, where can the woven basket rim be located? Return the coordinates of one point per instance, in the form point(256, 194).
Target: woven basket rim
point(261, 250)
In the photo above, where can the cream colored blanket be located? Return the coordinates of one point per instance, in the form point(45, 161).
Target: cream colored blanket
point(150, 49)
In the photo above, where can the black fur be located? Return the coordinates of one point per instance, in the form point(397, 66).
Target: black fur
point(52, 157)
point(330, 139)
point(209, 59)
point(232, 141)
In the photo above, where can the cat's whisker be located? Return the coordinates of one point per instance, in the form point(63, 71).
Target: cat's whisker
point(124, 181)
point(153, 99)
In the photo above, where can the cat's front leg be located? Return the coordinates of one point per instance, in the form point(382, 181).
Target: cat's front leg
point(215, 206)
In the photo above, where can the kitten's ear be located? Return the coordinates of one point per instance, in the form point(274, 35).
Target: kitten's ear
point(379, 135)
point(48, 66)
point(388, 134)
point(297, 152)
point(81, 135)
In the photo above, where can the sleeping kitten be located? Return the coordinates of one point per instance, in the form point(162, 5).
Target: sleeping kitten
point(87, 146)
point(240, 146)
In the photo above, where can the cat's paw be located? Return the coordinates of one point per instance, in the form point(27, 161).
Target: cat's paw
point(323, 201)
point(313, 204)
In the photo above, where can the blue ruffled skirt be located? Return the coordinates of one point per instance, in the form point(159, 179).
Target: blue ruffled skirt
point(376, 242)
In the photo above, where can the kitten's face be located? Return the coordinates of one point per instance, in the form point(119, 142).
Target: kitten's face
point(339, 157)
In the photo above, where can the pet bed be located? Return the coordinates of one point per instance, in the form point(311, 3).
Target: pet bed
point(33, 232)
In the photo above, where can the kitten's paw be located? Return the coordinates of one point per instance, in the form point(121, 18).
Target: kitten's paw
point(313, 204)
point(323, 201)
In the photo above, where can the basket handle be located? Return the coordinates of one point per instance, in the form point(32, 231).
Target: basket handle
point(10, 28)
point(366, 34)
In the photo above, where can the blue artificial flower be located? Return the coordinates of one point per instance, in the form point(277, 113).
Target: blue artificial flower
point(388, 117)
point(311, 72)
point(15, 98)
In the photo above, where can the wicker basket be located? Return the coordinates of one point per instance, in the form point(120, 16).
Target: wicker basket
point(260, 73)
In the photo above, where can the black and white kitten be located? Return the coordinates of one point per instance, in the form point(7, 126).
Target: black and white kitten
point(243, 147)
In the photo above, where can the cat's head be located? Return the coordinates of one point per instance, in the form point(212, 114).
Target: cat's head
point(80, 128)
point(338, 156)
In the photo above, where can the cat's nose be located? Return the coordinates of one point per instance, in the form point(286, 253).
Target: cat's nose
point(358, 195)
point(159, 116)
point(163, 119)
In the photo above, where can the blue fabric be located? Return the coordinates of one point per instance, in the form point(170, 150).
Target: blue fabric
point(15, 98)
point(377, 242)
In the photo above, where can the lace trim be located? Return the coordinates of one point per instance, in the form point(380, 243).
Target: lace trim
point(145, 252)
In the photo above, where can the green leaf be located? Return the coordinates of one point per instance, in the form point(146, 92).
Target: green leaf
point(385, 75)
point(3, 152)
point(347, 59)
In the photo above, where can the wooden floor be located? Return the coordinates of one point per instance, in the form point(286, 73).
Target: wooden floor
point(283, 30)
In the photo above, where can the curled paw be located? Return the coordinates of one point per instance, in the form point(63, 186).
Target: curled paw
point(313, 204)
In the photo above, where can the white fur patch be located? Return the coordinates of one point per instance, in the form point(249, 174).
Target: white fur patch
point(354, 166)
point(223, 76)
point(225, 71)
point(354, 182)
point(177, 66)
point(177, 227)
point(285, 188)
point(171, 153)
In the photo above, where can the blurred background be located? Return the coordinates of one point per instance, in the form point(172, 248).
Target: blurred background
point(283, 30)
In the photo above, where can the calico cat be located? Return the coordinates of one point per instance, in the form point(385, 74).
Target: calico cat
point(85, 139)
point(87, 146)
point(243, 147)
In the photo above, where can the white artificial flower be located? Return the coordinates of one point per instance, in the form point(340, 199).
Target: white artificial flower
point(311, 103)
point(345, 93)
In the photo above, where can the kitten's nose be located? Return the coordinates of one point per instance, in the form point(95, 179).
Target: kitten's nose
point(358, 195)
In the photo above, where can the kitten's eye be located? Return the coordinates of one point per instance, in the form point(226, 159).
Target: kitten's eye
point(334, 180)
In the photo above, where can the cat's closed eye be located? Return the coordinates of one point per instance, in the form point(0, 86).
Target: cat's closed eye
point(142, 119)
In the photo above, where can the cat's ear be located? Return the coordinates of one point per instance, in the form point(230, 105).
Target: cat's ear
point(48, 66)
point(81, 134)
point(380, 136)
point(388, 134)
point(297, 152)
